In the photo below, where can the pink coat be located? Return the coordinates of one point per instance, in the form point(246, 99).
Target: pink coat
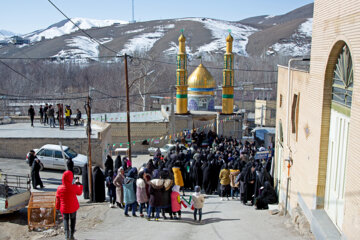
point(175, 205)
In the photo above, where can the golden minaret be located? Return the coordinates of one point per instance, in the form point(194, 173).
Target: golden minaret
point(181, 78)
point(228, 78)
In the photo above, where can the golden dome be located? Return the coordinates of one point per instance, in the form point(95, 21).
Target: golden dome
point(229, 38)
point(201, 80)
point(182, 38)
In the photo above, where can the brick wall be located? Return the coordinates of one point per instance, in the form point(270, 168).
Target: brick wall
point(336, 23)
point(305, 156)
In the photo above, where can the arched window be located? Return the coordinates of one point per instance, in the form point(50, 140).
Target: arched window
point(342, 86)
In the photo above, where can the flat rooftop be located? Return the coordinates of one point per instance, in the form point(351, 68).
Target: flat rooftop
point(147, 116)
point(24, 130)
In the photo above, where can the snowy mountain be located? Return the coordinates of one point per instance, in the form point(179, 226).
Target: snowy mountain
point(288, 34)
point(297, 45)
point(4, 34)
point(66, 27)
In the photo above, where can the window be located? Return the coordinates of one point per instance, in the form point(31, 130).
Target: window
point(58, 154)
point(45, 153)
point(41, 152)
point(280, 133)
point(272, 113)
point(281, 100)
point(295, 113)
point(71, 153)
point(342, 87)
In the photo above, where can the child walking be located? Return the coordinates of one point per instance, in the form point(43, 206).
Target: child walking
point(111, 188)
point(176, 201)
point(198, 201)
point(141, 195)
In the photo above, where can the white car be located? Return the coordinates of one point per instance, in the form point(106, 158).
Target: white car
point(51, 157)
point(166, 149)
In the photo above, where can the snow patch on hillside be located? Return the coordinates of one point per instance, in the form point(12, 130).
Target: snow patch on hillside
point(297, 44)
point(68, 27)
point(144, 42)
point(135, 31)
point(269, 16)
point(220, 30)
point(81, 47)
point(306, 27)
point(174, 49)
point(292, 49)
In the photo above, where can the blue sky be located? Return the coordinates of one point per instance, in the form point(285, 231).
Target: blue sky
point(23, 16)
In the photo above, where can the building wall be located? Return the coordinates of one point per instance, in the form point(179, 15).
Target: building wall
point(268, 107)
point(335, 23)
point(249, 106)
point(305, 156)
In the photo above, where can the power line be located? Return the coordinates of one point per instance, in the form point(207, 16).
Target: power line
point(218, 68)
point(58, 58)
point(14, 70)
point(94, 39)
point(139, 58)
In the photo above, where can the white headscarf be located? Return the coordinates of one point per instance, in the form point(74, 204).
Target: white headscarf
point(176, 188)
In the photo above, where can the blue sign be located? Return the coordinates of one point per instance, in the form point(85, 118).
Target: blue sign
point(263, 155)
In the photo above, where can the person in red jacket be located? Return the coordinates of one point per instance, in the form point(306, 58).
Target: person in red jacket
point(67, 203)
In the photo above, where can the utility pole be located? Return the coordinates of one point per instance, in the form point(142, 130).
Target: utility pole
point(127, 105)
point(172, 114)
point(241, 125)
point(133, 17)
point(88, 112)
point(61, 116)
point(262, 115)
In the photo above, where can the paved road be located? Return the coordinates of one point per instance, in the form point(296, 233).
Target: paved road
point(221, 219)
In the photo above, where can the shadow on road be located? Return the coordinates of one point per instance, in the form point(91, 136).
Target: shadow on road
point(18, 217)
point(52, 181)
point(203, 222)
point(45, 189)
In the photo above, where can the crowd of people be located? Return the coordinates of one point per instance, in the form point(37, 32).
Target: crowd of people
point(48, 116)
point(225, 167)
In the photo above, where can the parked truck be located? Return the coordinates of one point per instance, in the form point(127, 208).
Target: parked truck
point(14, 192)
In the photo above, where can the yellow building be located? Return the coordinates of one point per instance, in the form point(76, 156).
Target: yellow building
point(318, 125)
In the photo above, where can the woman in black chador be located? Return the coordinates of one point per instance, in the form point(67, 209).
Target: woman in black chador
point(249, 184)
point(117, 163)
point(267, 196)
point(109, 165)
point(35, 174)
point(98, 185)
point(197, 173)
